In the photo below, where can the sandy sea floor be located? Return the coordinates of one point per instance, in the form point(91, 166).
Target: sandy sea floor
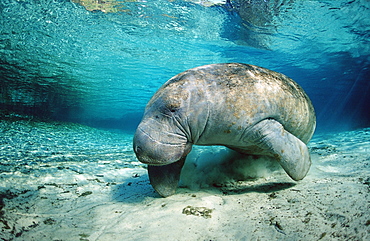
point(63, 181)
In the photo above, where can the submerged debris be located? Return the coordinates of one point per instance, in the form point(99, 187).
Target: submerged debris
point(87, 193)
point(198, 211)
point(49, 221)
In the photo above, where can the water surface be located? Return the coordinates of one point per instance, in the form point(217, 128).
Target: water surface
point(63, 61)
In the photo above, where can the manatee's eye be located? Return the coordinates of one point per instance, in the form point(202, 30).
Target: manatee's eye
point(172, 108)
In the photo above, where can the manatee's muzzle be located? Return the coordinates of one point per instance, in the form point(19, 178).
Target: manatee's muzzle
point(159, 148)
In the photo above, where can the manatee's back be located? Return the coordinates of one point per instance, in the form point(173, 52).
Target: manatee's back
point(242, 95)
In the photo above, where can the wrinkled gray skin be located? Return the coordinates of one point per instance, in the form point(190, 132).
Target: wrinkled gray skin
point(247, 108)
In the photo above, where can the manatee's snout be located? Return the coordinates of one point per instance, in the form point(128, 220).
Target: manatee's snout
point(156, 148)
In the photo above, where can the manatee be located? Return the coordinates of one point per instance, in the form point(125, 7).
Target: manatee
point(249, 109)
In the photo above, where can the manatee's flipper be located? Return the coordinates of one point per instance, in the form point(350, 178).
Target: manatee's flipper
point(165, 179)
point(291, 153)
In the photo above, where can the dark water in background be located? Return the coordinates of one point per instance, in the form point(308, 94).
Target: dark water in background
point(60, 61)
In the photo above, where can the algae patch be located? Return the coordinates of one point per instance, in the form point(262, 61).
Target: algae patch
point(198, 211)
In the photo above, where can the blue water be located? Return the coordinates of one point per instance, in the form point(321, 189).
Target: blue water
point(60, 61)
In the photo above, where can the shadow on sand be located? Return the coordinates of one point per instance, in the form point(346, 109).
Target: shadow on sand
point(259, 188)
point(137, 190)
